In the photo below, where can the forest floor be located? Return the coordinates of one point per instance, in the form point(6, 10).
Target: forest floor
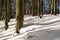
point(47, 28)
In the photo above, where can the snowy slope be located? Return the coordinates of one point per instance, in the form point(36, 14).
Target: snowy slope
point(34, 28)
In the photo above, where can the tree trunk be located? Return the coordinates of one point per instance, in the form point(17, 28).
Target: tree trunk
point(1, 9)
point(34, 8)
point(9, 8)
point(24, 7)
point(54, 7)
point(5, 14)
point(40, 8)
point(49, 6)
point(19, 15)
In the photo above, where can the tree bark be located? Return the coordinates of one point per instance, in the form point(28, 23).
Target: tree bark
point(19, 15)
point(34, 8)
point(9, 9)
point(40, 8)
point(54, 7)
point(1, 9)
point(5, 14)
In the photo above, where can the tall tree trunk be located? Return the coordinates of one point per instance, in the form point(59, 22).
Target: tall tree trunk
point(5, 14)
point(9, 8)
point(1, 9)
point(49, 6)
point(19, 15)
point(34, 8)
point(25, 7)
point(27, 4)
point(40, 8)
point(54, 7)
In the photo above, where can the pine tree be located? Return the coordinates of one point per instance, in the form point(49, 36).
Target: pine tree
point(40, 8)
point(54, 7)
point(34, 8)
point(51, 6)
point(19, 15)
point(24, 7)
point(9, 8)
point(5, 14)
point(1, 9)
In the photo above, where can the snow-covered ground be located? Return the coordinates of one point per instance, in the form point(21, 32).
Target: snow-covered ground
point(47, 28)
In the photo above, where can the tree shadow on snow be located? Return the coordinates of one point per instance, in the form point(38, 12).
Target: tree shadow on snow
point(46, 34)
point(32, 23)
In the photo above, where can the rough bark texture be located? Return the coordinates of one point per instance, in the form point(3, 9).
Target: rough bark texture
point(19, 15)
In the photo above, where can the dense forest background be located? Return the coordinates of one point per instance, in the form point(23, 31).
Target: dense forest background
point(28, 6)
point(45, 5)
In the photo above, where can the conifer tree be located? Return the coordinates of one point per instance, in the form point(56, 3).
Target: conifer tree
point(5, 14)
point(40, 8)
point(19, 15)
point(34, 7)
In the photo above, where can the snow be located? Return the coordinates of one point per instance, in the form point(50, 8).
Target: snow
point(47, 28)
point(53, 20)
